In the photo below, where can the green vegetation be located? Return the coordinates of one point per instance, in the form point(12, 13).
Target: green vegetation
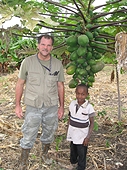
point(100, 114)
point(59, 140)
point(83, 35)
point(14, 52)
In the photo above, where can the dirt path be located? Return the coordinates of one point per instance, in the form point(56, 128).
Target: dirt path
point(108, 146)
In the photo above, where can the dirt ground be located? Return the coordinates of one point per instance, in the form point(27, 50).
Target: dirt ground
point(108, 146)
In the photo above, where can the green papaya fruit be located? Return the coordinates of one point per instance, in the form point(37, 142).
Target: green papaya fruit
point(71, 49)
point(88, 68)
point(73, 83)
point(95, 34)
point(89, 35)
point(80, 60)
point(91, 62)
point(80, 77)
point(71, 69)
point(83, 40)
point(83, 72)
point(101, 48)
point(74, 56)
point(84, 81)
point(91, 79)
point(89, 26)
point(72, 41)
point(90, 84)
point(97, 67)
point(85, 64)
point(81, 51)
point(70, 63)
point(77, 70)
point(74, 76)
point(89, 55)
point(97, 56)
point(100, 39)
point(89, 48)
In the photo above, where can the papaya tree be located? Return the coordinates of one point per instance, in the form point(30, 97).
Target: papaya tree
point(88, 35)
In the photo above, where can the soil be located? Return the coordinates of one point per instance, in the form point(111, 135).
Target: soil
point(108, 145)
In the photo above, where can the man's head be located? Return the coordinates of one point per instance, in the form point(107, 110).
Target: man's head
point(45, 45)
point(46, 36)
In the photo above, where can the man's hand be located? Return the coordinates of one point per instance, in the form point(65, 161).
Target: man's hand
point(18, 95)
point(60, 112)
point(18, 111)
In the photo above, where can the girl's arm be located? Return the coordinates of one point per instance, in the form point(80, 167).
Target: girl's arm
point(68, 122)
point(86, 140)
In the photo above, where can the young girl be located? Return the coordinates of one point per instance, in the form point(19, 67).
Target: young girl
point(81, 122)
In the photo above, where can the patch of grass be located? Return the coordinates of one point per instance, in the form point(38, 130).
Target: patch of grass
point(33, 156)
point(124, 109)
point(101, 114)
point(65, 119)
point(96, 126)
point(59, 140)
point(2, 100)
point(3, 79)
point(107, 144)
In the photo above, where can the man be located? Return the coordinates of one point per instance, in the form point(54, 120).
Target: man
point(43, 77)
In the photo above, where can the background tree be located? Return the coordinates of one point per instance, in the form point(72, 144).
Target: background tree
point(64, 18)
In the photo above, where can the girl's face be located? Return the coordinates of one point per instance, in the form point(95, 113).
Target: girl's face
point(81, 94)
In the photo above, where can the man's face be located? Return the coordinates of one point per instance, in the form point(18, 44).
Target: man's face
point(45, 47)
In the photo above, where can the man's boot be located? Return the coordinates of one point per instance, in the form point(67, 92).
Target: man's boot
point(45, 156)
point(24, 159)
point(45, 148)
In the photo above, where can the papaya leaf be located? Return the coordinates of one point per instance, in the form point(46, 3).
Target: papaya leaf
point(59, 51)
point(6, 13)
point(31, 24)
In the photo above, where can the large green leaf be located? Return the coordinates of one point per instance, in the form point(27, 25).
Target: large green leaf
point(6, 13)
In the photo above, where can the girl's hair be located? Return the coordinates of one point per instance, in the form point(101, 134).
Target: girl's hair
point(82, 85)
point(46, 36)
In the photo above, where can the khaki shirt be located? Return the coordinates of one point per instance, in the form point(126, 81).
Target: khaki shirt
point(41, 84)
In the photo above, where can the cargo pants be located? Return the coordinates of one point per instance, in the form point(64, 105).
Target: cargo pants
point(47, 117)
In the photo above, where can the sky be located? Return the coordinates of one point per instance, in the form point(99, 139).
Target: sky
point(16, 20)
point(99, 2)
point(12, 22)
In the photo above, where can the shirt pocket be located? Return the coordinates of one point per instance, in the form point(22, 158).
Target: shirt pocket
point(34, 78)
point(84, 114)
point(52, 80)
point(52, 85)
point(32, 99)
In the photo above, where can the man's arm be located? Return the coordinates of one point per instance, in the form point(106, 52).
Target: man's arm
point(18, 96)
point(61, 99)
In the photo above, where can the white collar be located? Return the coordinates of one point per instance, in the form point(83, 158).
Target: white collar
point(84, 104)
